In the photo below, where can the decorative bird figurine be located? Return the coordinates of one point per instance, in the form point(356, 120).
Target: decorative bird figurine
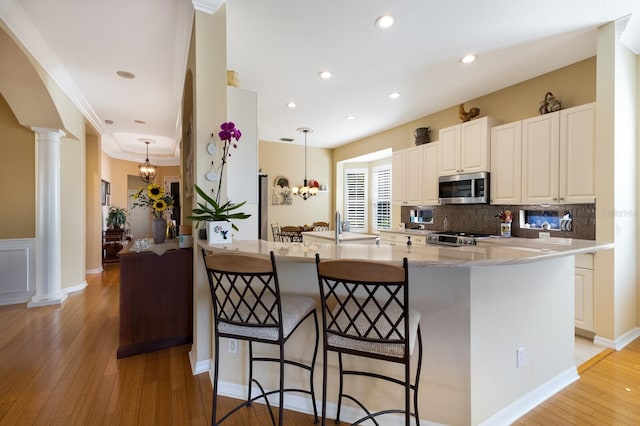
point(466, 116)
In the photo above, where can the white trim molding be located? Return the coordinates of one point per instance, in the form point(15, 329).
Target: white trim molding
point(207, 6)
point(620, 342)
point(18, 266)
point(537, 396)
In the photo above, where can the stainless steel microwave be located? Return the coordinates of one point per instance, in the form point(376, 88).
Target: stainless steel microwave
point(467, 188)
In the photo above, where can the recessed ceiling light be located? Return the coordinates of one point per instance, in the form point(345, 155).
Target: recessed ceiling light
point(394, 95)
point(291, 105)
point(468, 59)
point(108, 121)
point(350, 117)
point(126, 74)
point(139, 121)
point(325, 74)
point(384, 21)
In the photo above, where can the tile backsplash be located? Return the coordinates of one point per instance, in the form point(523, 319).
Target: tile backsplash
point(481, 218)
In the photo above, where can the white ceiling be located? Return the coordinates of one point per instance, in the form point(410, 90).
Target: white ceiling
point(278, 47)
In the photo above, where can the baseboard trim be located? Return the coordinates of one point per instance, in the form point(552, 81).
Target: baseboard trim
point(302, 404)
point(75, 288)
point(526, 403)
point(620, 342)
point(95, 271)
point(199, 367)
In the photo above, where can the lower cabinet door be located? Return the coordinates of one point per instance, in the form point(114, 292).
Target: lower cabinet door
point(584, 299)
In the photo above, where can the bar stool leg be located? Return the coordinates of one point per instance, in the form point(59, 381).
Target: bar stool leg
point(214, 404)
point(250, 373)
point(340, 387)
point(312, 370)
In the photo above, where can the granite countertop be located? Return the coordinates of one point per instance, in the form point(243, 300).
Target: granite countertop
point(344, 236)
point(158, 249)
point(502, 251)
point(408, 231)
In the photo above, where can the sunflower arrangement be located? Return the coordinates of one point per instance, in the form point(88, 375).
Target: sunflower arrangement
point(153, 196)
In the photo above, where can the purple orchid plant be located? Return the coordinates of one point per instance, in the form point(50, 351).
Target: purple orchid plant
point(228, 133)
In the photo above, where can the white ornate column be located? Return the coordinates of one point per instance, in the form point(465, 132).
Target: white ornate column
point(48, 219)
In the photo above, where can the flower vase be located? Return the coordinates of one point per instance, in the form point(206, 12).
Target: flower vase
point(505, 229)
point(218, 232)
point(158, 229)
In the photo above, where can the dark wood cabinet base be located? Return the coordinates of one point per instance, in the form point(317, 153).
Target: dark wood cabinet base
point(156, 302)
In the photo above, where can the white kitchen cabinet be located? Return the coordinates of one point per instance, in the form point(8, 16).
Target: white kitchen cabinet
point(406, 183)
point(584, 292)
point(577, 154)
point(506, 164)
point(430, 173)
point(401, 238)
point(558, 152)
point(540, 157)
point(398, 176)
point(464, 148)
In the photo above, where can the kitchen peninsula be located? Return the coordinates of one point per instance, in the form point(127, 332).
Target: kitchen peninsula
point(479, 306)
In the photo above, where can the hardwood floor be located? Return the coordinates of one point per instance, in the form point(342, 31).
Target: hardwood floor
point(58, 366)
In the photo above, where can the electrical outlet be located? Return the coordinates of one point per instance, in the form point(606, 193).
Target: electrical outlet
point(233, 346)
point(520, 357)
point(544, 235)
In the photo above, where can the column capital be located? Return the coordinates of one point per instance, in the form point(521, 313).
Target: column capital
point(57, 133)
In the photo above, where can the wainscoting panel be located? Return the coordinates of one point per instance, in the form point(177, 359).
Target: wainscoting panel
point(17, 266)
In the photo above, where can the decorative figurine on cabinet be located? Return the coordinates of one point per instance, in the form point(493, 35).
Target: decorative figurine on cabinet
point(549, 104)
point(466, 116)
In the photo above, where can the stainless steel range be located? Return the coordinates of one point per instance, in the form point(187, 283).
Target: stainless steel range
point(455, 239)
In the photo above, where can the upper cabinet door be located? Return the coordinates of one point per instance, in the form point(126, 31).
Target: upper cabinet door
point(450, 150)
point(399, 177)
point(540, 151)
point(506, 164)
point(430, 173)
point(413, 175)
point(577, 154)
point(464, 148)
point(474, 145)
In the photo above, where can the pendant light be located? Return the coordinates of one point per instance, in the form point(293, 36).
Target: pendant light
point(147, 170)
point(305, 192)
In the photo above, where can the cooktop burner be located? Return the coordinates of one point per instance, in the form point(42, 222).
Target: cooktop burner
point(454, 238)
point(463, 234)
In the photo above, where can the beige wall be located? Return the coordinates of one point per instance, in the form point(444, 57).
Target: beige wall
point(73, 210)
point(207, 65)
point(277, 159)
point(572, 85)
point(17, 177)
point(116, 172)
point(93, 203)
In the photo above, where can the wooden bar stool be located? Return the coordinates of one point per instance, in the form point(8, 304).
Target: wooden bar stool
point(248, 305)
point(365, 313)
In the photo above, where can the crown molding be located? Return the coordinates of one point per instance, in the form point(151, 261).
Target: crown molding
point(29, 37)
point(207, 6)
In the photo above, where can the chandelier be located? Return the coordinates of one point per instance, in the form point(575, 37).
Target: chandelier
point(146, 170)
point(305, 192)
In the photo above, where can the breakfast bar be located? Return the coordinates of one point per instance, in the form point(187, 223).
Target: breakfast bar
point(480, 305)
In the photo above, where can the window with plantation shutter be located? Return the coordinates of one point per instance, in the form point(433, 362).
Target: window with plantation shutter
point(382, 197)
point(356, 199)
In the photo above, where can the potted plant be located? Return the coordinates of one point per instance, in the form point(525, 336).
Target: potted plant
point(152, 196)
point(117, 217)
point(217, 216)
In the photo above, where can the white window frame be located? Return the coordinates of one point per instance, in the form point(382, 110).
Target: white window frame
point(381, 195)
point(354, 203)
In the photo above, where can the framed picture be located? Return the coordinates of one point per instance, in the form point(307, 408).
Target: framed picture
point(188, 162)
point(105, 191)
